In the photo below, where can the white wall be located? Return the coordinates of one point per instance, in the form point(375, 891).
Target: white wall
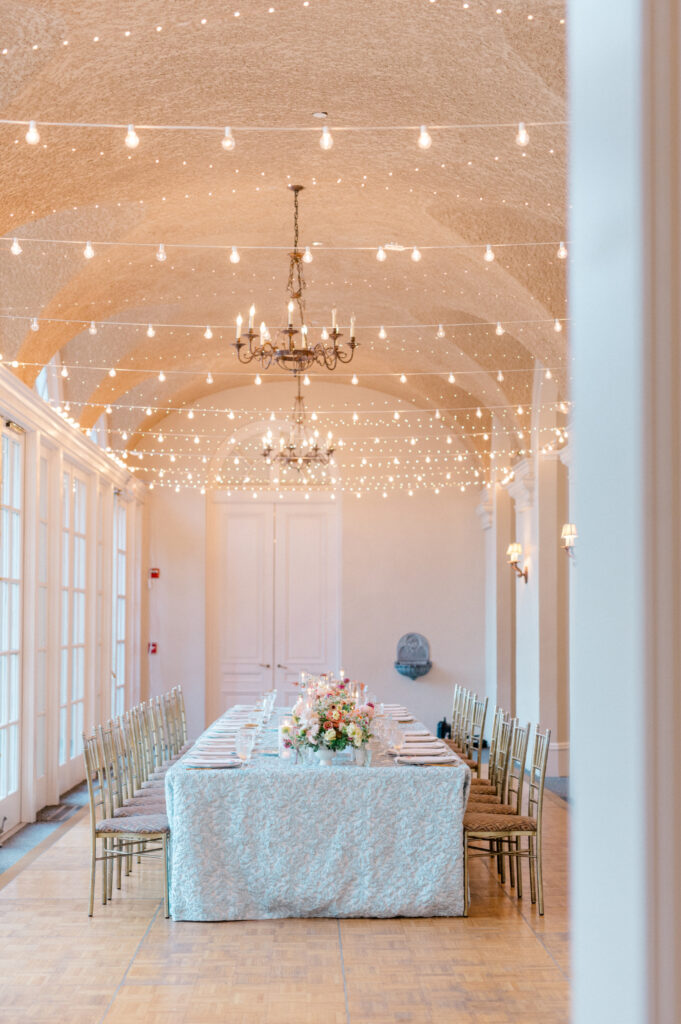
point(408, 564)
point(414, 565)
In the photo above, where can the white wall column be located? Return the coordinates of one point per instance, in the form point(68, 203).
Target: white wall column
point(626, 658)
point(496, 517)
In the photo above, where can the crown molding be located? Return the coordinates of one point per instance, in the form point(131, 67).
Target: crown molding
point(24, 407)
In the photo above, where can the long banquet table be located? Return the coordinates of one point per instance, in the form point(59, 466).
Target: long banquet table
point(276, 839)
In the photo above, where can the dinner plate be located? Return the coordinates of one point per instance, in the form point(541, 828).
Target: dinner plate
point(212, 762)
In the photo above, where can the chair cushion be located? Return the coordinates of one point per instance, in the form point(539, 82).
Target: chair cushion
point(483, 798)
point(478, 807)
point(138, 824)
point(141, 807)
point(482, 822)
point(470, 762)
point(482, 784)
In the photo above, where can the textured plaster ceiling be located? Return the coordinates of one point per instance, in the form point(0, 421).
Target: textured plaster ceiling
point(369, 64)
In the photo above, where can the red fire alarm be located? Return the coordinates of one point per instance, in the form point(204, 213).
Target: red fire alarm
point(152, 648)
point(154, 574)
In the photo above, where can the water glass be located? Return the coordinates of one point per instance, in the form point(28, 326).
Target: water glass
point(245, 741)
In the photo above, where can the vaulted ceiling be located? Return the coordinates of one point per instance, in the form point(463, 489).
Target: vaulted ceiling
point(264, 67)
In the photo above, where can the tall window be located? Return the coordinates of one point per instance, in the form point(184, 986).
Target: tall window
point(118, 607)
point(72, 647)
point(41, 625)
point(11, 556)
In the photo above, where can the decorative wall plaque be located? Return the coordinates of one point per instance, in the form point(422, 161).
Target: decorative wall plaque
point(413, 656)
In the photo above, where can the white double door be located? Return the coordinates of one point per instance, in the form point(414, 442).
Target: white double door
point(273, 596)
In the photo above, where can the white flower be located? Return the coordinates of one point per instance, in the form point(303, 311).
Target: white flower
point(330, 735)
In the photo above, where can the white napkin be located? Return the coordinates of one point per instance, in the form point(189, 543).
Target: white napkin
point(426, 759)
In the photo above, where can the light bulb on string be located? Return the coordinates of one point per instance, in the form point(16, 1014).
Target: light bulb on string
point(451, 379)
point(382, 334)
point(489, 254)
point(562, 251)
point(403, 379)
point(355, 379)
point(396, 415)
point(88, 251)
point(208, 334)
point(209, 378)
point(234, 255)
point(150, 331)
point(161, 376)
point(32, 135)
point(425, 141)
point(161, 254)
point(148, 410)
point(326, 138)
point(440, 333)
point(499, 330)
point(415, 255)
point(228, 142)
point(108, 410)
point(478, 413)
point(112, 372)
point(306, 381)
point(92, 329)
point(500, 377)
point(35, 326)
point(522, 136)
point(64, 371)
point(258, 380)
point(380, 255)
point(548, 375)
point(557, 326)
point(132, 138)
point(307, 255)
point(15, 248)
point(190, 414)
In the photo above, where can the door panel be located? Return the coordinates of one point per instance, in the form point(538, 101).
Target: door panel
point(306, 593)
point(241, 616)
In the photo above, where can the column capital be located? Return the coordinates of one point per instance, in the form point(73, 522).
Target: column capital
point(521, 487)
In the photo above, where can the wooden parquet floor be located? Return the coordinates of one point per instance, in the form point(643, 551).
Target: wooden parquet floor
point(128, 965)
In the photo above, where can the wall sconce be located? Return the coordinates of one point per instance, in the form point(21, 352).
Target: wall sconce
point(513, 553)
point(568, 536)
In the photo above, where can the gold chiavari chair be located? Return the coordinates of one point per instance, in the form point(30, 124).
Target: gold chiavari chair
point(514, 828)
point(462, 724)
point(498, 768)
point(179, 698)
point(481, 785)
point(118, 836)
point(475, 733)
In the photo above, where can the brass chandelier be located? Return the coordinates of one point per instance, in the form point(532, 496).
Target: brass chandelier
point(302, 449)
point(294, 351)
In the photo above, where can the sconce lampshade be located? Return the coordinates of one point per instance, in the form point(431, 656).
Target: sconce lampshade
point(568, 535)
point(513, 553)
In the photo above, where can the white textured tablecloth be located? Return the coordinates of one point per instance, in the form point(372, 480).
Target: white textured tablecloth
point(281, 840)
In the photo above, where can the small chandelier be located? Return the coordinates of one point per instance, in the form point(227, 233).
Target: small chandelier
point(293, 353)
point(302, 449)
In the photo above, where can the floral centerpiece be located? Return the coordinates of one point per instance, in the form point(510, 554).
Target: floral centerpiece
point(329, 719)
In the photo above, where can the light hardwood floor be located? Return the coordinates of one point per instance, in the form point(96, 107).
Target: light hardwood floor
point(504, 964)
